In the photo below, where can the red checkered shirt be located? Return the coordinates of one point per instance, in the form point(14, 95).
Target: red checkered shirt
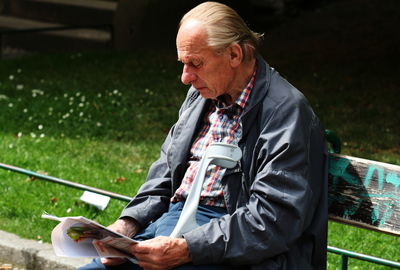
point(220, 124)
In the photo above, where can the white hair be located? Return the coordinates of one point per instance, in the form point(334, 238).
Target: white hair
point(224, 27)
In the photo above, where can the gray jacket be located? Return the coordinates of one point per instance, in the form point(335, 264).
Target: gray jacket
point(276, 197)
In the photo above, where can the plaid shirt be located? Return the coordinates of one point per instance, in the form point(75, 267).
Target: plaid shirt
point(221, 124)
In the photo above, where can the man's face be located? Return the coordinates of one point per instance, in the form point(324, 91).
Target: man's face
point(208, 72)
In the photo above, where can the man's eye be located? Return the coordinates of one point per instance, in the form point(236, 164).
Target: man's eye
point(196, 64)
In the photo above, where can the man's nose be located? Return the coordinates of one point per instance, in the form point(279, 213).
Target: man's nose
point(188, 76)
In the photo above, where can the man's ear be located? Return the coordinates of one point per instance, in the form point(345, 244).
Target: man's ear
point(235, 54)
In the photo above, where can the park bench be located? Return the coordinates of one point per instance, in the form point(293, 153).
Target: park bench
point(361, 192)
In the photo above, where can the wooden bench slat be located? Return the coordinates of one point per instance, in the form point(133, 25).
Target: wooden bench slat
point(364, 193)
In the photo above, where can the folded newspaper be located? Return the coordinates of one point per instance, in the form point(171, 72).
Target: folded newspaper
point(82, 237)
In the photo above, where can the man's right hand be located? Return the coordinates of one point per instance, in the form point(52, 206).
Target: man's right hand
point(126, 226)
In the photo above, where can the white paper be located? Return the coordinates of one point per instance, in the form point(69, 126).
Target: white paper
point(97, 200)
point(112, 244)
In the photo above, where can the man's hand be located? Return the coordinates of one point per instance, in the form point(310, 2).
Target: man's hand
point(161, 253)
point(125, 226)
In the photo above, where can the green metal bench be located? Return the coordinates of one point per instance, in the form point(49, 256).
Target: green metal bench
point(363, 193)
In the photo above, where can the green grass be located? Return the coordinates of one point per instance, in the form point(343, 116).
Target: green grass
point(99, 119)
point(361, 241)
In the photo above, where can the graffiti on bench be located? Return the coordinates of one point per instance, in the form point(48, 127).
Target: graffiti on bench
point(365, 191)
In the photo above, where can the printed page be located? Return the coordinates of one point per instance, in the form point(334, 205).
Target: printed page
point(74, 236)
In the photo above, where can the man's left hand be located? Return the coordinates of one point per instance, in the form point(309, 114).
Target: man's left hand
point(161, 253)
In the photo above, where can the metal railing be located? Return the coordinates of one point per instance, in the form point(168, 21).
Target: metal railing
point(64, 182)
point(346, 254)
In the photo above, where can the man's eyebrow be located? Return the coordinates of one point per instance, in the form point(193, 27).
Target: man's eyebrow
point(184, 61)
point(189, 60)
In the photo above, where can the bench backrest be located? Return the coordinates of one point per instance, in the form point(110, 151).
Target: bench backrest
point(364, 193)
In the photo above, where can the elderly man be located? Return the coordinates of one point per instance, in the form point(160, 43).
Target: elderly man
point(270, 211)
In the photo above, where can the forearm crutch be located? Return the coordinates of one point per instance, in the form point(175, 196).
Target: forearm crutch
point(220, 154)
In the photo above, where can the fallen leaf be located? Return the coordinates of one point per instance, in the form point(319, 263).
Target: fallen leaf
point(120, 179)
point(30, 178)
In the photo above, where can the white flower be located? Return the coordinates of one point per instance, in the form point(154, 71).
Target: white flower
point(11, 77)
point(10, 145)
point(33, 135)
point(10, 105)
point(19, 134)
point(40, 127)
point(3, 97)
point(25, 110)
point(37, 92)
point(42, 135)
point(20, 86)
point(98, 124)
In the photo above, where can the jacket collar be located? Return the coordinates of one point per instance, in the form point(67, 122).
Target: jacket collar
point(260, 89)
point(186, 128)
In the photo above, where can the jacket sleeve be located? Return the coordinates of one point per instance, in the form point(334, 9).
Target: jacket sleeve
point(153, 197)
point(282, 197)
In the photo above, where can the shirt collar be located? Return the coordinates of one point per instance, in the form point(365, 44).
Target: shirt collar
point(244, 96)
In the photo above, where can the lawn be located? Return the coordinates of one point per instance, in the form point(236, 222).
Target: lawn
point(97, 119)
point(100, 118)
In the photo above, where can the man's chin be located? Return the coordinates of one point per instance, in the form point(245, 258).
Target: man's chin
point(205, 93)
